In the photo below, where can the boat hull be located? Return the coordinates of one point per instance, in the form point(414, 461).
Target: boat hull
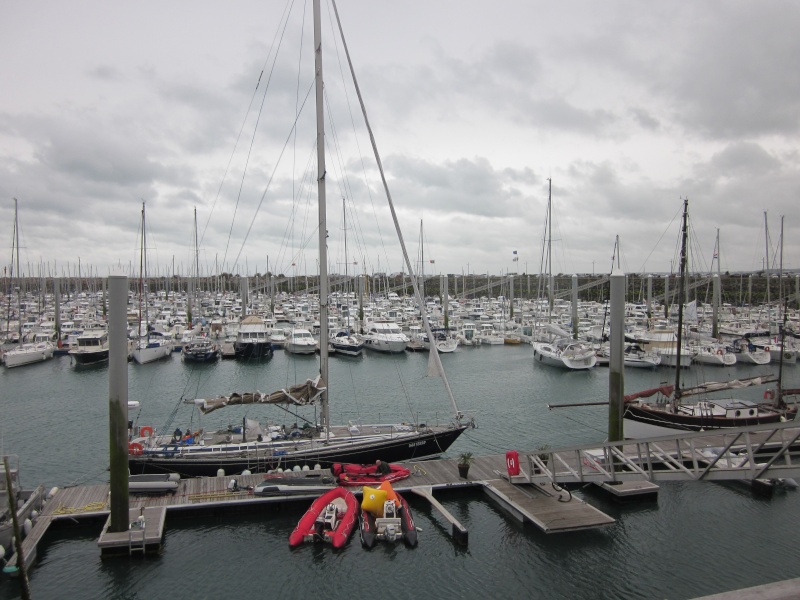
point(28, 354)
point(253, 351)
point(311, 529)
point(370, 533)
point(151, 352)
point(641, 421)
point(90, 358)
point(427, 444)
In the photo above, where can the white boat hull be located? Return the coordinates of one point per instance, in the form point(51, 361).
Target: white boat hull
point(28, 354)
point(147, 353)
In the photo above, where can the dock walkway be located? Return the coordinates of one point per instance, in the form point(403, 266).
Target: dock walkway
point(529, 502)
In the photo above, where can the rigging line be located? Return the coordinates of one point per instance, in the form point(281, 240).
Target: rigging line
point(434, 354)
point(297, 100)
point(661, 237)
point(250, 150)
point(241, 129)
point(271, 177)
point(359, 228)
point(290, 221)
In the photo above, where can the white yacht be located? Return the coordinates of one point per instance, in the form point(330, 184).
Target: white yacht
point(385, 336)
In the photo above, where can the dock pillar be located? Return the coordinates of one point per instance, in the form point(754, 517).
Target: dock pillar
point(616, 382)
point(118, 401)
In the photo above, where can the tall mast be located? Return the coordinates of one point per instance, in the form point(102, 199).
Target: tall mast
point(781, 322)
point(323, 230)
point(549, 248)
point(421, 265)
point(16, 256)
point(681, 292)
point(766, 264)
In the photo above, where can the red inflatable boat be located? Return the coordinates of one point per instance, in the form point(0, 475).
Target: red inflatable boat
point(331, 518)
point(353, 475)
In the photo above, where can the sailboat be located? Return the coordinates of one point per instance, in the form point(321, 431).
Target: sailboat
point(670, 412)
point(147, 348)
point(561, 351)
point(31, 352)
point(258, 450)
point(344, 341)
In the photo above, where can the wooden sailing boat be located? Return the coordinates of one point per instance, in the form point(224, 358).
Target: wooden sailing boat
point(671, 412)
point(322, 444)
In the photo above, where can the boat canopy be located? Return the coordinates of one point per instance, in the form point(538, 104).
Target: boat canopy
point(300, 394)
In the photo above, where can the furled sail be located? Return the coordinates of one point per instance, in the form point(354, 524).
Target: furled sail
point(299, 394)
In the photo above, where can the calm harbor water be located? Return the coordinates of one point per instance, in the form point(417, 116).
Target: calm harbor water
point(696, 539)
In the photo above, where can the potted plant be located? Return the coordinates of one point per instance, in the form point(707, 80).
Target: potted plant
point(464, 461)
point(543, 452)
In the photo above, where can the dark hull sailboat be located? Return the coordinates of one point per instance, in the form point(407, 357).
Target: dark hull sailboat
point(664, 417)
point(671, 412)
point(262, 457)
point(319, 443)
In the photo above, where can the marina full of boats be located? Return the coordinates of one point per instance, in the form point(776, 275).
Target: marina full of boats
point(221, 326)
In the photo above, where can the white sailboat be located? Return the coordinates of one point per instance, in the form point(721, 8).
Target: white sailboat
point(30, 352)
point(561, 350)
point(258, 449)
point(147, 349)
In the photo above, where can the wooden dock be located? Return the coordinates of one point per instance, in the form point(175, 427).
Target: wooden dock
point(550, 511)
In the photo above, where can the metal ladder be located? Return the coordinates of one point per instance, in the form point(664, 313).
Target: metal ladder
point(136, 541)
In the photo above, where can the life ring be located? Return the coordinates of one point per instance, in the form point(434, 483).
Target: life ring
point(769, 395)
point(766, 348)
point(787, 355)
point(146, 431)
point(135, 449)
point(719, 351)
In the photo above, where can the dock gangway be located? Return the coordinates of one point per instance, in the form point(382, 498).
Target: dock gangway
point(748, 453)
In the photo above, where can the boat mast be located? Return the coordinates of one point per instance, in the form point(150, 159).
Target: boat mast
point(322, 227)
point(781, 323)
point(19, 278)
point(549, 249)
point(142, 283)
point(681, 291)
point(421, 265)
point(766, 264)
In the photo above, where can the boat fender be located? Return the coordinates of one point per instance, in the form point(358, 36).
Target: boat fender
point(373, 501)
point(246, 472)
point(306, 468)
point(769, 395)
point(53, 491)
point(296, 468)
point(34, 514)
point(146, 431)
point(27, 525)
point(317, 467)
point(220, 472)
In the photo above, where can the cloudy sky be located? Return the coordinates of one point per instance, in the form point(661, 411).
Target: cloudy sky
point(626, 106)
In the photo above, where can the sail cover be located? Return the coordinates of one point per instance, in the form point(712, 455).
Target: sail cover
point(299, 394)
